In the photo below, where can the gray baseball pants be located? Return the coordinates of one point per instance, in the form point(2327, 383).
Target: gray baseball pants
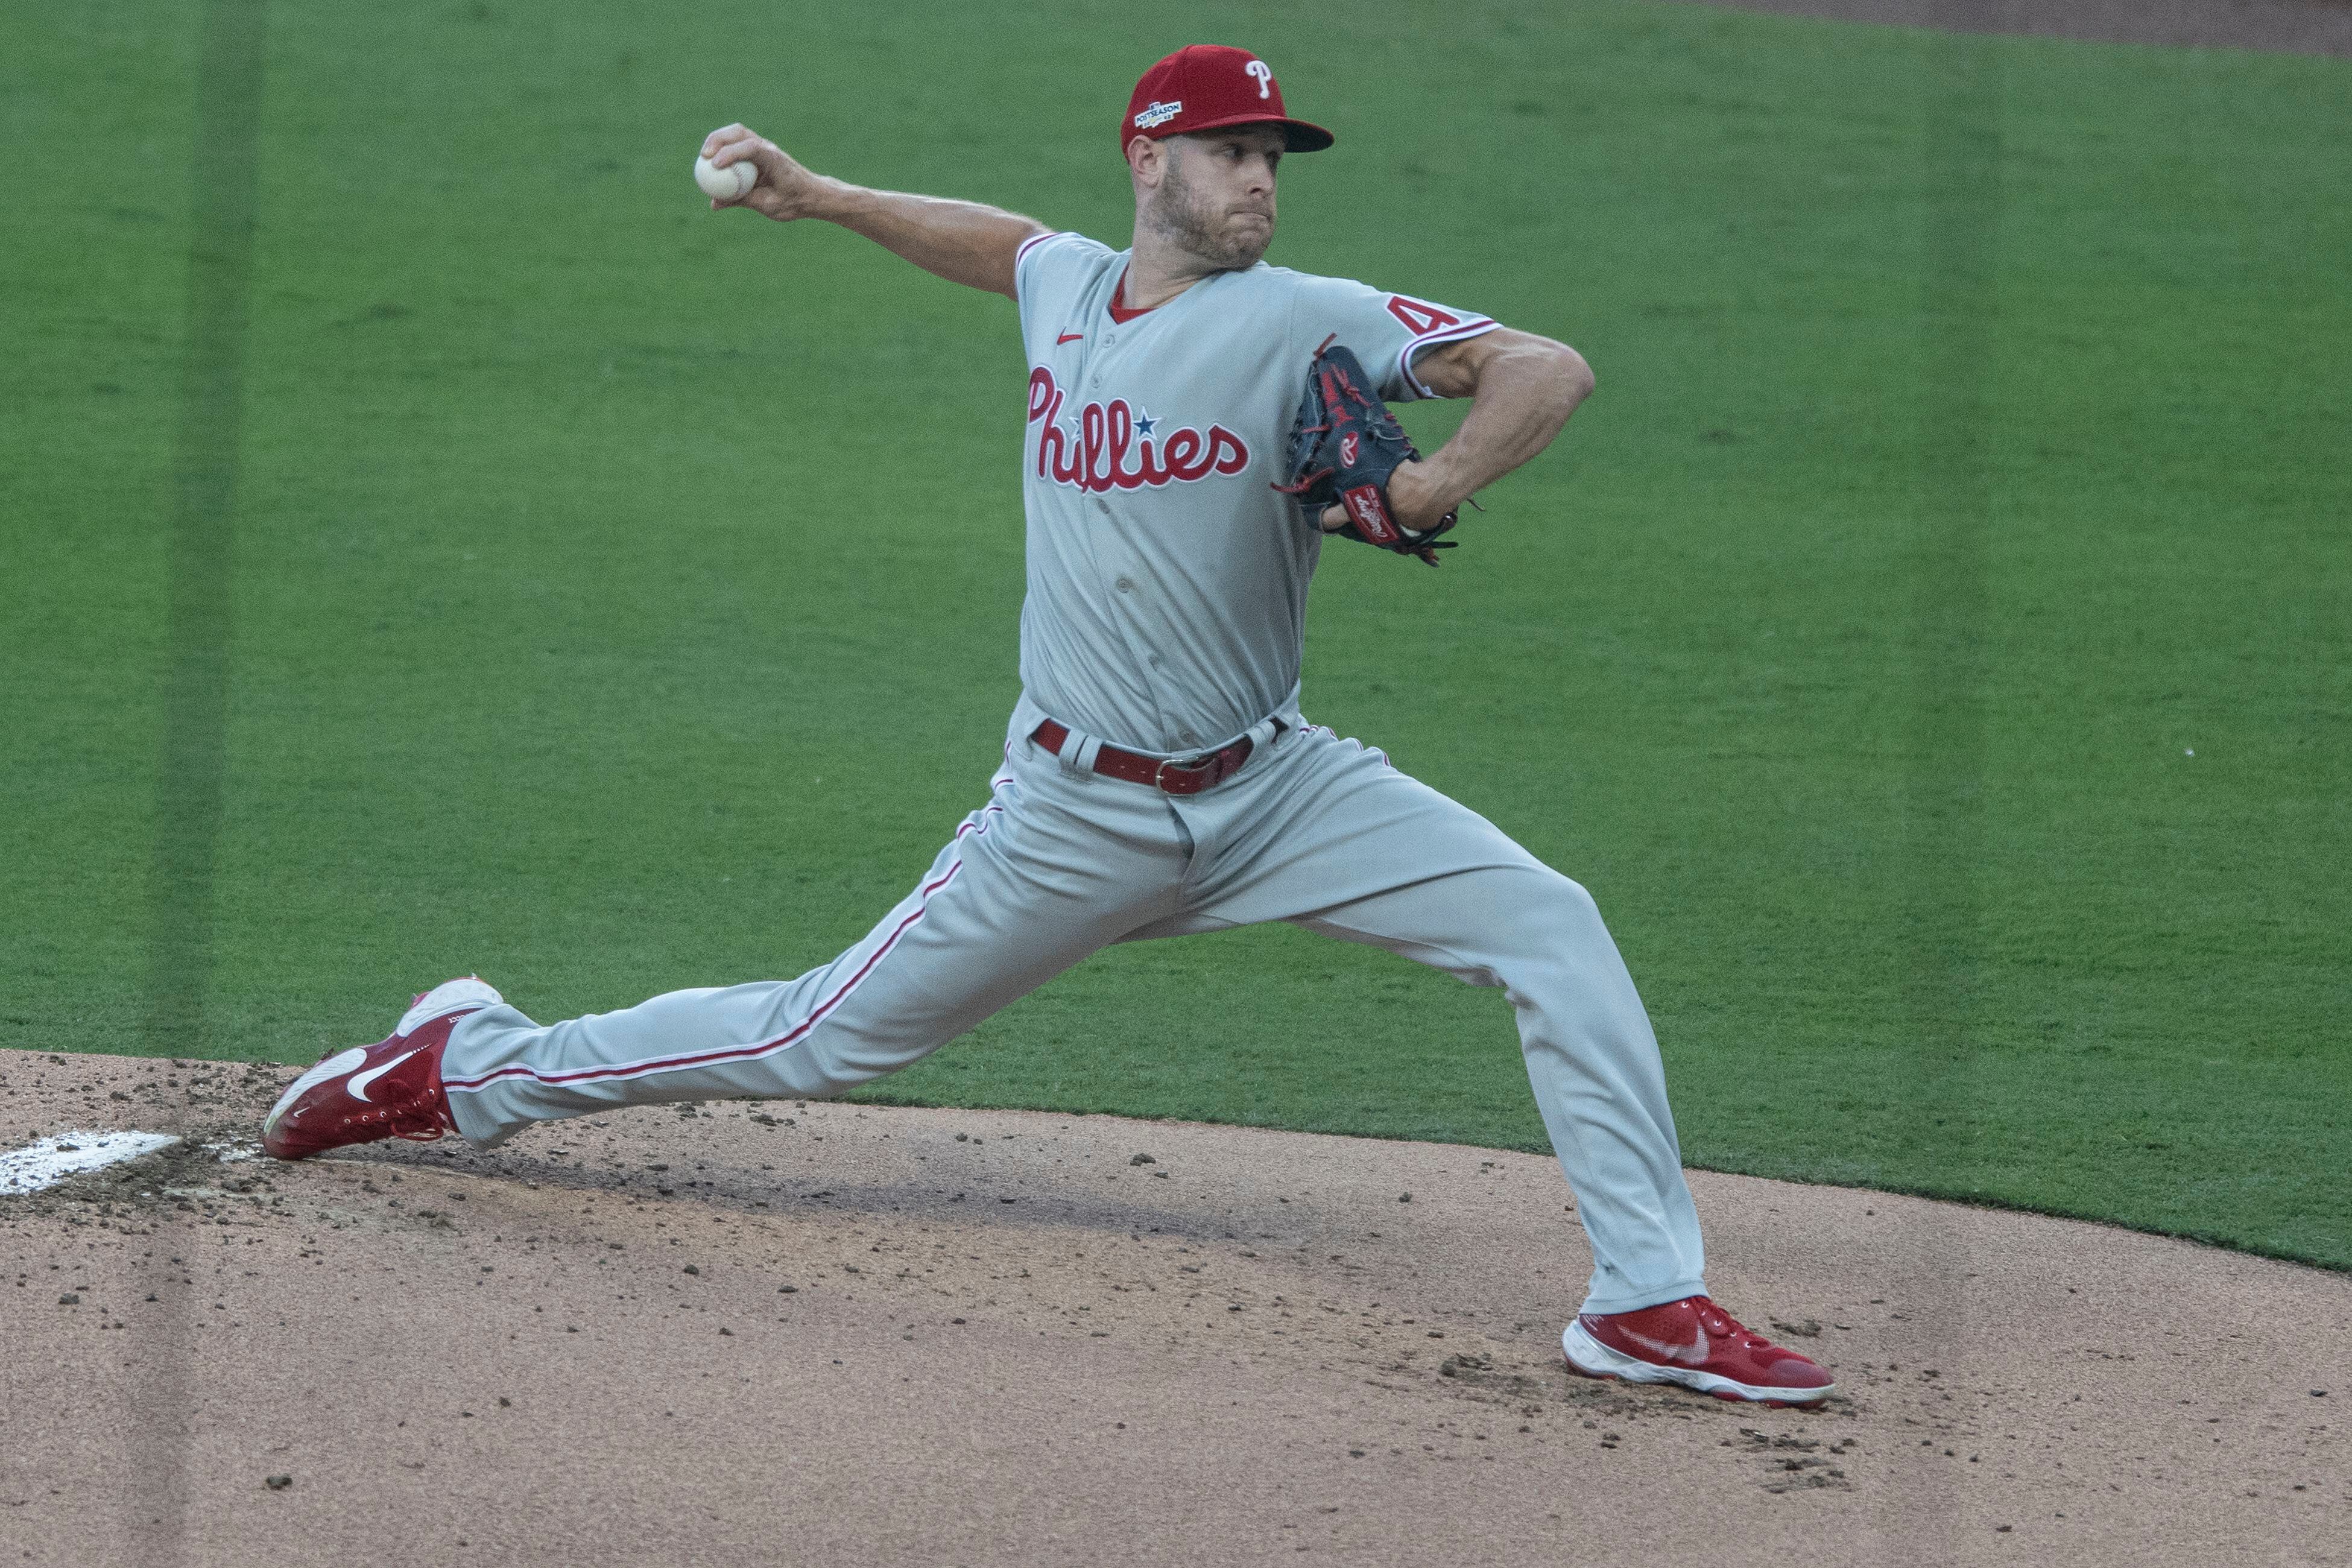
point(1315, 830)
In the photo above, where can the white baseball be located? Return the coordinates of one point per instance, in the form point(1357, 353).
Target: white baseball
point(726, 184)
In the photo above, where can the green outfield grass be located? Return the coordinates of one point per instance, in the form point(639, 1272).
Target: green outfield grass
point(624, 596)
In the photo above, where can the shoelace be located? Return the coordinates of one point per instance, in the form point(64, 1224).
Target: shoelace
point(1721, 1325)
point(418, 1127)
point(419, 1124)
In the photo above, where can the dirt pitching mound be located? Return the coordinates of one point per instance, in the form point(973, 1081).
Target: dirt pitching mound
point(823, 1333)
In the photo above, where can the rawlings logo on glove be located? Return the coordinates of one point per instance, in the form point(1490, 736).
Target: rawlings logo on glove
point(1344, 446)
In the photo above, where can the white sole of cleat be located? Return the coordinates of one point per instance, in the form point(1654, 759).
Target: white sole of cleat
point(1593, 1358)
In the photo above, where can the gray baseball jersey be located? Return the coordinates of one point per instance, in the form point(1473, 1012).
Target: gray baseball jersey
point(1165, 613)
point(1167, 606)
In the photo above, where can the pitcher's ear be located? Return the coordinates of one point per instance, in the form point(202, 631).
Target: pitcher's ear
point(1148, 157)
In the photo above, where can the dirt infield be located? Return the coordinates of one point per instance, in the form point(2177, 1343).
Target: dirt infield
point(2285, 26)
point(828, 1334)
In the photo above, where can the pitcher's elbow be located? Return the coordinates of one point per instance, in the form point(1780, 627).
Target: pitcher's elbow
point(1577, 380)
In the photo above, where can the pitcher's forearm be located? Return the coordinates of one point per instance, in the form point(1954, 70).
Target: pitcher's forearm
point(964, 242)
point(1525, 396)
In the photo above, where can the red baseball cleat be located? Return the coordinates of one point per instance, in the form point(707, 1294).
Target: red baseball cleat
point(1697, 1344)
point(389, 1090)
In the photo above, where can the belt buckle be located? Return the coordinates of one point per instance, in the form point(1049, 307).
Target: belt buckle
point(1210, 764)
point(1218, 766)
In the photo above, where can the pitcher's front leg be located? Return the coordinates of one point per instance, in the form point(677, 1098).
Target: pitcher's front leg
point(1590, 1056)
point(1399, 864)
point(1000, 912)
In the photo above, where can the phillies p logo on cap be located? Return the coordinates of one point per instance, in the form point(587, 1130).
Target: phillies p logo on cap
point(1207, 86)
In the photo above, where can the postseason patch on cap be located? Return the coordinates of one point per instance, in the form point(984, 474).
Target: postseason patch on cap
point(1158, 113)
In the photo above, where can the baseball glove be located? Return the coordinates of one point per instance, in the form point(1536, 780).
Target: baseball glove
point(1344, 446)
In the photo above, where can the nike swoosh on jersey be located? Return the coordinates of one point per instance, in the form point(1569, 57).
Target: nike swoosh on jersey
point(1689, 1355)
point(360, 1080)
point(1068, 338)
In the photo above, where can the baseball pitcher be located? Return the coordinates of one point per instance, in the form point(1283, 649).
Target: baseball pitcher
point(1198, 423)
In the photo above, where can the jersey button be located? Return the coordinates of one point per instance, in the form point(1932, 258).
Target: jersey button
point(1188, 738)
point(1124, 585)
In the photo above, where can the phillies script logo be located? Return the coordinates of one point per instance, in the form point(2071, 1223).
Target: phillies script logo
point(1115, 450)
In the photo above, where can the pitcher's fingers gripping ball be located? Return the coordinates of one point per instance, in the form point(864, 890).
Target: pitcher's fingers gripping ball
point(737, 167)
point(732, 184)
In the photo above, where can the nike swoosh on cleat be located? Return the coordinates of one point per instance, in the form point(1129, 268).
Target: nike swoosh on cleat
point(335, 1066)
point(1688, 1355)
point(360, 1080)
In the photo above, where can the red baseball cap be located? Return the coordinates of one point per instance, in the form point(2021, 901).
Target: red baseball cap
point(1204, 87)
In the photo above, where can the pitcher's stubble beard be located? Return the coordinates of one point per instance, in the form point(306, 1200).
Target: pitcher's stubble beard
point(1183, 216)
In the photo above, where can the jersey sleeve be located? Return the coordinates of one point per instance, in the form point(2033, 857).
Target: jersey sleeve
point(1387, 331)
point(1049, 268)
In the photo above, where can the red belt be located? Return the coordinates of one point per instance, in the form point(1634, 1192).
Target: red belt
point(1174, 777)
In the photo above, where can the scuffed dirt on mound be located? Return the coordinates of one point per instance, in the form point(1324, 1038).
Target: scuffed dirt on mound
point(826, 1333)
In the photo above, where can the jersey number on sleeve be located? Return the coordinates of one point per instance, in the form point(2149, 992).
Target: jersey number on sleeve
point(1421, 318)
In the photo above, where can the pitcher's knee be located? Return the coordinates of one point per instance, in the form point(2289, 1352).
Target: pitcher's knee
point(1556, 930)
point(812, 1072)
point(1564, 909)
point(831, 1061)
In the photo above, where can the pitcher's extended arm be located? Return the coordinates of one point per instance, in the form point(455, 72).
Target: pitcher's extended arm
point(963, 242)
